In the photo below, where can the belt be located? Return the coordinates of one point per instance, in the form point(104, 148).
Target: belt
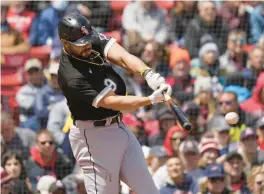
point(103, 122)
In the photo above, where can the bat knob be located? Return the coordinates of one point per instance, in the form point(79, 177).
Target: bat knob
point(187, 126)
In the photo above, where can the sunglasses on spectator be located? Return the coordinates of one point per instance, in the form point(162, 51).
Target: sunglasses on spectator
point(239, 40)
point(44, 142)
point(250, 138)
point(216, 179)
point(33, 70)
point(228, 102)
point(259, 183)
point(175, 139)
point(261, 128)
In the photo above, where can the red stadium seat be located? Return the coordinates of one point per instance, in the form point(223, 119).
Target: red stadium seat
point(165, 4)
point(115, 34)
point(119, 5)
point(16, 60)
point(42, 53)
point(9, 80)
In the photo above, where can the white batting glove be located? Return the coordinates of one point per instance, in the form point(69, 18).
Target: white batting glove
point(158, 95)
point(154, 80)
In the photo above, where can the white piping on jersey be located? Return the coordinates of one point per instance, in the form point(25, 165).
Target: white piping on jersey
point(108, 46)
point(101, 95)
point(87, 61)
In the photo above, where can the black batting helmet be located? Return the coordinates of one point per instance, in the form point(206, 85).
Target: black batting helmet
point(76, 29)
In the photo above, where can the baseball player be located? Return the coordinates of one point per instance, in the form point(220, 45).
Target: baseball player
point(102, 145)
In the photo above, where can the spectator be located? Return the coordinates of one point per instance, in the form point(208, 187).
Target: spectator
point(257, 23)
point(175, 136)
point(221, 133)
point(215, 182)
point(209, 152)
point(6, 182)
point(11, 40)
point(248, 148)
point(74, 183)
point(255, 104)
point(235, 14)
point(203, 92)
point(228, 102)
point(98, 13)
point(181, 15)
point(14, 137)
point(46, 160)
point(145, 18)
point(189, 155)
point(48, 96)
point(233, 167)
point(49, 184)
point(152, 55)
point(193, 113)
point(48, 21)
point(177, 180)
point(20, 18)
point(26, 95)
point(180, 79)
point(235, 58)
point(255, 63)
point(166, 121)
point(260, 133)
point(206, 25)
point(256, 180)
point(157, 158)
point(12, 162)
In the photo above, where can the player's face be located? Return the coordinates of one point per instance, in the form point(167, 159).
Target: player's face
point(82, 52)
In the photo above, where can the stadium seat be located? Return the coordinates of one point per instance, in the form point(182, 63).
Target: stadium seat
point(119, 5)
point(42, 53)
point(10, 80)
point(165, 4)
point(115, 34)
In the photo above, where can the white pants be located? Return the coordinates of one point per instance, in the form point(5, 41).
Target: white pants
point(108, 155)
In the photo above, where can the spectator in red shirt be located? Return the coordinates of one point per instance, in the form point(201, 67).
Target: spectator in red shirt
point(260, 132)
point(20, 18)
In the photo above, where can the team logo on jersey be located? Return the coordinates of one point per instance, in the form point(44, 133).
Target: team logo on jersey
point(109, 83)
point(84, 30)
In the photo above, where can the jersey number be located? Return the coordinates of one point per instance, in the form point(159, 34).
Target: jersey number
point(110, 83)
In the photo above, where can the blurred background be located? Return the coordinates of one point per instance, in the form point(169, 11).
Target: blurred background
point(210, 52)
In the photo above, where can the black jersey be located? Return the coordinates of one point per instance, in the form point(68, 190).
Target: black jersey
point(85, 82)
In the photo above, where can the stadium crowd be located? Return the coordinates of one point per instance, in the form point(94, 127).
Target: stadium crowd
point(210, 52)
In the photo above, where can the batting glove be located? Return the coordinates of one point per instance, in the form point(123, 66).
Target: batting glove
point(158, 95)
point(154, 80)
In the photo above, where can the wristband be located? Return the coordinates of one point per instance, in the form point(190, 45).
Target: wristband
point(145, 71)
point(152, 99)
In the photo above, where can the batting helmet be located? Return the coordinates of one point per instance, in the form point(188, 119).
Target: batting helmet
point(76, 29)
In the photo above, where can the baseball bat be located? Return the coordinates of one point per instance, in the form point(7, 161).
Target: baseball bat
point(183, 120)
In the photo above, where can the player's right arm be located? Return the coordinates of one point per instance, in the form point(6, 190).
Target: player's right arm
point(120, 103)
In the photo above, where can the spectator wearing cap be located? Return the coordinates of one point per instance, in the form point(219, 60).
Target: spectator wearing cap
point(21, 139)
point(45, 159)
point(235, 58)
point(26, 95)
point(12, 41)
point(190, 156)
point(206, 23)
point(180, 79)
point(50, 185)
point(175, 136)
point(193, 113)
point(221, 130)
point(74, 183)
point(156, 158)
point(48, 96)
point(209, 151)
point(177, 180)
point(215, 181)
point(228, 102)
point(166, 120)
point(260, 133)
point(248, 148)
point(255, 104)
point(234, 166)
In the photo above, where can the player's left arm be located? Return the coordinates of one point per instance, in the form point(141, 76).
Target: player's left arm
point(119, 56)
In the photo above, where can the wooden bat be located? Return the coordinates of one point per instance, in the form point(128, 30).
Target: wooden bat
point(183, 120)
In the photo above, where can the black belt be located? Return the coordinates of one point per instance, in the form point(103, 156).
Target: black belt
point(101, 123)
